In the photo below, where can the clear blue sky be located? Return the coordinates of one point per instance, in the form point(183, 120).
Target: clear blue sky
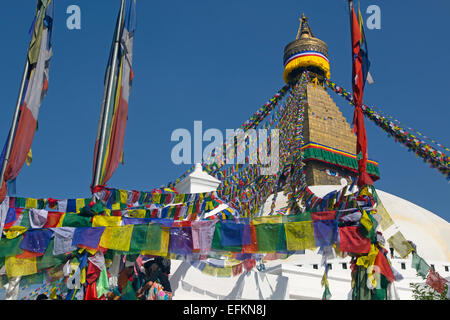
point(218, 61)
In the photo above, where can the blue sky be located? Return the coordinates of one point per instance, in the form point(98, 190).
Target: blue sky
point(218, 61)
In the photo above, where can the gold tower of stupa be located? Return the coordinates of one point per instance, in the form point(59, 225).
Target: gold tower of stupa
point(329, 143)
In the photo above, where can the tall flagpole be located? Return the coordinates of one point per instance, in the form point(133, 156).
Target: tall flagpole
point(107, 103)
point(14, 123)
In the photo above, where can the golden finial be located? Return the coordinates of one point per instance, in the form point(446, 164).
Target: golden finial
point(304, 30)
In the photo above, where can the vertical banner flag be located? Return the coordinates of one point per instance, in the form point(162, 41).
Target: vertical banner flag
point(36, 85)
point(116, 119)
point(360, 68)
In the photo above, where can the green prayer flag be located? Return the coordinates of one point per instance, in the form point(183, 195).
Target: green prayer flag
point(76, 221)
point(10, 247)
point(326, 294)
point(139, 239)
point(304, 216)
point(36, 278)
point(48, 259)
point(380, 292)
point(360, 289)
point(98, 207)
point(270, 237)
point(420, 265)
point(102, 283)
point(25, 222)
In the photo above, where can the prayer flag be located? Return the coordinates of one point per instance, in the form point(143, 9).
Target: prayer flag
point(117, 238)
point(39, 53)
point(20, 267)
point(87, 237)
point(180, 240)
point(116, 119)
point(359, 73)
point(400, 244)
point(325, 232)
point(106, 221)
point(420, 265)
point(352, 240)
point(435, 281)
point(157, 235)
point(202, 235)
point(36, 240)
point(300, 235)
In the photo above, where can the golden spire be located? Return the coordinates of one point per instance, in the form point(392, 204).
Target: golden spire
point(304, 31)
point(306, 52)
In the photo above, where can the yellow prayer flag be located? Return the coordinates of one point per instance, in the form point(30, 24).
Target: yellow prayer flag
point(137, 213)
point(79, 204)
point(324, 281)
point(165, 234)
point(53, 295)
point(369, 259)
point(123, 196)
point(209, 270)
point(400, 244)
point(156, 198)
point(386, 220)
point(106, 221)
point(268, 219)
point(117, 238)
point(92, 251)
point(20, 267)
point(365, 221)
point(365, 192)
point(179, 198)
point(115, 206)
point(31, 203)
point(225, 272)
point(14, 232)
point(83, 276)
point(300, 235)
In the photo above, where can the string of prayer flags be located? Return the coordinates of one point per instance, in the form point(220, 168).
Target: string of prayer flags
point(434, 157)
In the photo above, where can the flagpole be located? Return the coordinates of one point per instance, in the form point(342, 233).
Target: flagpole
point(107, 103)
point(14, 123)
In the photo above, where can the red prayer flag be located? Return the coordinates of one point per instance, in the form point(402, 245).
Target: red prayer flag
point(384, 267)
point(92, 274)
point(358, 88)
point(352, 240)
point(324, 215)
point(435, 281)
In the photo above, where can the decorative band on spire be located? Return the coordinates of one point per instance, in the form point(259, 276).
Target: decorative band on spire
point(304, 60)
